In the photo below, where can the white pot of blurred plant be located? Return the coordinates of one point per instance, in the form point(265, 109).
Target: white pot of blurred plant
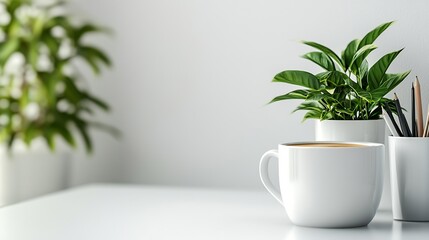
point(33, 171)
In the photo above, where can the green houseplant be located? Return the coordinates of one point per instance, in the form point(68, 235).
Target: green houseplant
point(347, 88)
point(41, 93)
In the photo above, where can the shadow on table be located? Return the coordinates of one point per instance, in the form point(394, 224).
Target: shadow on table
point(297, 233)
point(375, 230)
point(405, 229)
point(379, 229)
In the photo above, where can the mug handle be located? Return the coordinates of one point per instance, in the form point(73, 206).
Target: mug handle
point(263, 173)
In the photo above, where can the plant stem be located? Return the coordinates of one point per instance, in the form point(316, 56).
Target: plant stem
point(324, 104)
point(366, 110)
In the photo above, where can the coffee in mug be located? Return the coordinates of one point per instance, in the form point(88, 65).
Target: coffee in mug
point(338, 145)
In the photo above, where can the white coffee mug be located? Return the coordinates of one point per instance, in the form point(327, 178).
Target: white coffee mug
point(327, 184)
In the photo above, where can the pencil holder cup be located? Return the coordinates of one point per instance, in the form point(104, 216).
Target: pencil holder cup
point(409, 176)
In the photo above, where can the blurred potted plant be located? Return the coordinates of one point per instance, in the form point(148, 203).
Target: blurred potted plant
point(42, 95)
point(347, 96)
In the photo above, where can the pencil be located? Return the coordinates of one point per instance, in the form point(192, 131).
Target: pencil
point(419, 111)
point(413, 112)
point(395, 125)
point(389, 123)
point(402, 120)
point(425, 132)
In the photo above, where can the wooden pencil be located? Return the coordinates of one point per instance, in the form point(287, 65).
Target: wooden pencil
point(426, 129)
point(419, 110)
point(413, 112)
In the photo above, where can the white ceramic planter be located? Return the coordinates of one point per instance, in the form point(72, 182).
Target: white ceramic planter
point(31, 172)
point(351, 130)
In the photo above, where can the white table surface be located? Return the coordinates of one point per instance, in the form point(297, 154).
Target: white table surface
point(130, 212)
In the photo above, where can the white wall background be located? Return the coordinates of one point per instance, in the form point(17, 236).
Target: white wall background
point(192, 78)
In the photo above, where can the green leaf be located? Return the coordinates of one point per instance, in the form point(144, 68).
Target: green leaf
point(312, 114)
point(358, 90)
point(320, 59)
point(363, 74)
point(87, 140)
point(55, 4)
point(105, 127)
point(345, 111)
point(323, 75)
point(93, 64)
point(296, 94)
point(309, 105)
point(300, 78)
point(71, 92)
point(349, 52)
point(374, 34)
point(363, 53)
point(13, 5)
point(86, 109)
point(50, 81)
point(83, 30)
point(67, 136)
point(337, 78)
point(7, 49)
point(378, 70)
point(33, 53)
point(93, 52)
point(327, 51)
point(375, 110)
point(11, 140)
point(96, 101)
point(30, 132)
point(63, 22)
point(49, 135)
point(83, 130)
point(4, 134)
point(390, 81)
point(326, 115)
point(317, 96)
point(93, 56)
point(386, 102)
point(378, 93)
point(332, 79)
point(51, 42)
point(363, 68)
point(37, 26)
